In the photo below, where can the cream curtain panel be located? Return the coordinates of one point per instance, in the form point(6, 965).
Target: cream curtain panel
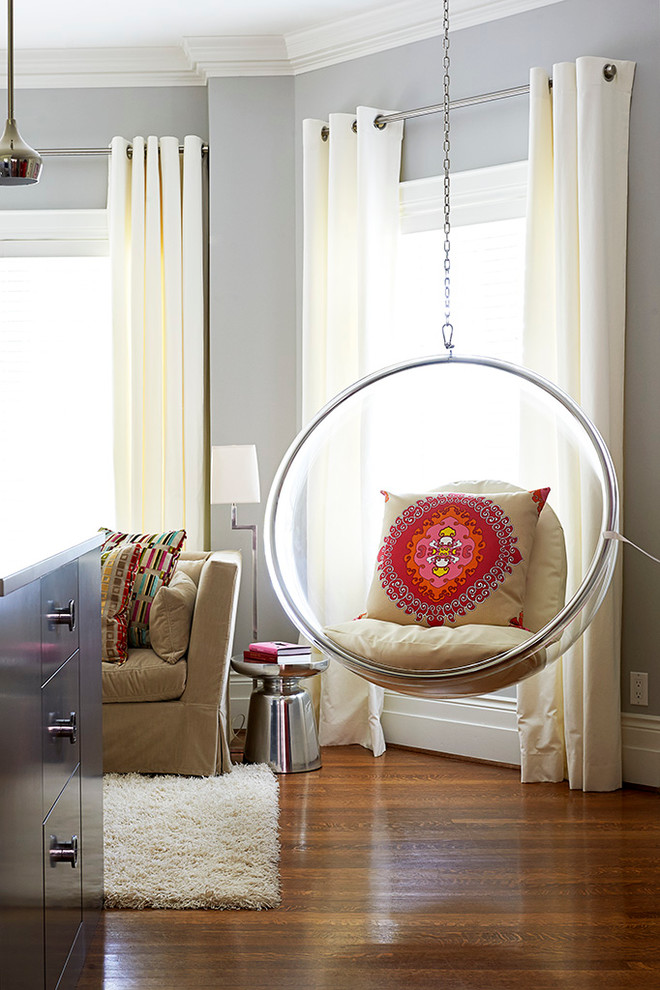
point(569, 715)
point(155, 206)
point(350, 229)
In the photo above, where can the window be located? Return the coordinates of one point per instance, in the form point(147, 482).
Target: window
point(487, 270)
point(487, 262)
point(55, 360)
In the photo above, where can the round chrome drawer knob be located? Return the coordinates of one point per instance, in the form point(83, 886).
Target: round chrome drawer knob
point(62, 615)
point(63, 728)
point(63, 852)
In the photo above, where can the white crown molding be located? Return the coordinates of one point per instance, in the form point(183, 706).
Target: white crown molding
point(390, 27)
point(103, 67)
point(257, 55)
point(198, 59)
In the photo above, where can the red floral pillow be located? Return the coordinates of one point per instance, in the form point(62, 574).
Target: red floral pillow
point(452, 558)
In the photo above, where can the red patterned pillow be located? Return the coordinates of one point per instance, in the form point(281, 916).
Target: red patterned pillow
point(158, 555)
point(452, 558)
point(118, 570)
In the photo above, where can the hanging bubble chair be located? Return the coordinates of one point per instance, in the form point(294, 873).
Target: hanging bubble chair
point(449, 424)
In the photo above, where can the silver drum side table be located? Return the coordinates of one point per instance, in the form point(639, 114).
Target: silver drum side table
point(281, 729)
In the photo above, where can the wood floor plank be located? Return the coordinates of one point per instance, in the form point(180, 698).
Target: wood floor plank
point(417, 871)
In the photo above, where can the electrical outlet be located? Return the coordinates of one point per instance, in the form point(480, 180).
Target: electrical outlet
point(639, 688)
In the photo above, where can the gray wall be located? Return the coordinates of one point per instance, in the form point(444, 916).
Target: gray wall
point(252, 303)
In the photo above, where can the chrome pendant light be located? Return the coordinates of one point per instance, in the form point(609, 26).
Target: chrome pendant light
point(20, 165)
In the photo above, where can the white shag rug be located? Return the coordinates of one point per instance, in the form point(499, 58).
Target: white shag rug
point(192, 842)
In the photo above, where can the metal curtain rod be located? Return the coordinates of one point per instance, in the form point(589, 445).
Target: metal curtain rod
point(470, 101)
point(609, 72)
point(86, 152)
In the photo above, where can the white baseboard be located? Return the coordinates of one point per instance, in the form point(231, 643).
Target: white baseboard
point(485, 728)
point(240, 689)
point(641, 749)
point(482, 728)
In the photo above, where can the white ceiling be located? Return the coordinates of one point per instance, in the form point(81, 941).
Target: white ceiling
point(164, 23)
point(81, 24)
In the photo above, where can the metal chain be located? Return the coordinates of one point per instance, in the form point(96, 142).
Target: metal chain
point(447, 328)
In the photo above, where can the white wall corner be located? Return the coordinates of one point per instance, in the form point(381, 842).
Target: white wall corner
point(250, 55)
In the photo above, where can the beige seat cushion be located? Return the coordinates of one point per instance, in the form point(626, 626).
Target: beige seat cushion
point(144, 677)
point(416, 647)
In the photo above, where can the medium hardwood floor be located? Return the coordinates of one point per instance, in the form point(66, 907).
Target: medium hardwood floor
point(414, 871)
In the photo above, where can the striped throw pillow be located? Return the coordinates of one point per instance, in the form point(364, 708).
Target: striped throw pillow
point(158, 555)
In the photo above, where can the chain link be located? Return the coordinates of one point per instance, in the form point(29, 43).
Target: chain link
point(447, 328)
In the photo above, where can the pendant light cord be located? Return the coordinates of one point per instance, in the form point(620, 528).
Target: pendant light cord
point(20, 165)
point(447, 327)
point(10, 59)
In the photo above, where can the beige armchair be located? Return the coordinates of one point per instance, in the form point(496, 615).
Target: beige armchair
point(161, 717)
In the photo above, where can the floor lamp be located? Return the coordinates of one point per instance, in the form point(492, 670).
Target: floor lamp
point(234, 479)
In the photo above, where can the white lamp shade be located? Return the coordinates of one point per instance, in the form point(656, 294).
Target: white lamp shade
point(234, 474)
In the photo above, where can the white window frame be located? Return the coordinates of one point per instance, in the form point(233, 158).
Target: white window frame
point(53, 233)
point(495, 193)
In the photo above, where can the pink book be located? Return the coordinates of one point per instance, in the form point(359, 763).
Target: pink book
point(278, 648)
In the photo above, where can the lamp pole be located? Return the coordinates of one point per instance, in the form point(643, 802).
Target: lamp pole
point(253, 528)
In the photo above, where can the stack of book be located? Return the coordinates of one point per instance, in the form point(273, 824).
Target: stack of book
point(275, 651)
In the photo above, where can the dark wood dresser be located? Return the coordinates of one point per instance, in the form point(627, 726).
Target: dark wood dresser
point(51, 812)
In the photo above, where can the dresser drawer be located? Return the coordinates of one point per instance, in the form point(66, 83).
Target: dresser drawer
point(62, 880)
point(59, 622)
point(60, 706)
